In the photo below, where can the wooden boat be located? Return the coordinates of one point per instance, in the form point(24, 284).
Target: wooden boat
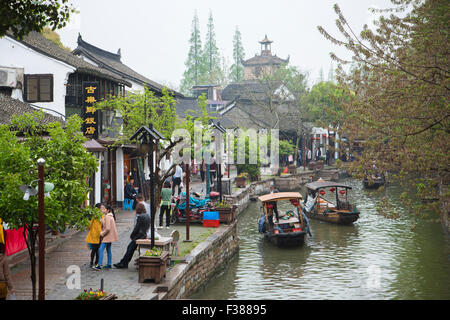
point(373, 181)
point(317, 207)
point(291, 227)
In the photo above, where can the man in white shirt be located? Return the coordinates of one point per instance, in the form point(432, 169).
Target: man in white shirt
point(177, 179)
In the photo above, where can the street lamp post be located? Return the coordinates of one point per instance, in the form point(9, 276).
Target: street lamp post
point(41, 219)
point(149, 138)
point(188, 218)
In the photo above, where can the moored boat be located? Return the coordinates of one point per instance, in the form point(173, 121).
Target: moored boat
point(283, 228)
point(317, 207)
point(373, 181)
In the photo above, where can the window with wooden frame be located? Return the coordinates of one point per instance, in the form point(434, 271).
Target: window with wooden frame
point(38, 88)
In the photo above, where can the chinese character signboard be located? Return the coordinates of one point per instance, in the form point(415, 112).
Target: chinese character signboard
point(90, 114)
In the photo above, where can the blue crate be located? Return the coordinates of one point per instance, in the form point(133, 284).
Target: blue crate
point(211, 215)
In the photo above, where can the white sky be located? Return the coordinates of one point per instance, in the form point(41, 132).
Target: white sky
point(154, 35)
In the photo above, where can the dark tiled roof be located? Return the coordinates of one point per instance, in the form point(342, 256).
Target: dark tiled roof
point(187, 104)
point(264, 60)
point(249, 90)
point(10, 107)
point(111, 61)
point(38, 42)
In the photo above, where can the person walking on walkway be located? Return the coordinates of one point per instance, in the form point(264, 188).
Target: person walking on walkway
point(108, 236)
point(139, 232)
point(212, 169)
point(203, 170)
point(177, 179)
point(166, 197)
point(130, 192)
point(308, 155)
point(93, 237)
point(6, 285)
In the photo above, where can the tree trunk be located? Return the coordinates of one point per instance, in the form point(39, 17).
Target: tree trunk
point(31, 246)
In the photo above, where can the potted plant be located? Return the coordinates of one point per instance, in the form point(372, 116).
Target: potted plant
point(226, 212)
point(153, 264)
point(241, 180)
point(95, 295)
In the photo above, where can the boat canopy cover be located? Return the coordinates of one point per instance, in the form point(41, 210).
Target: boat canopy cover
point(325, 184)
point(280, 196)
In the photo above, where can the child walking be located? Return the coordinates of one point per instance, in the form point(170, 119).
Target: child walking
point(108, 236)
point(166, 196)
point(93, 237)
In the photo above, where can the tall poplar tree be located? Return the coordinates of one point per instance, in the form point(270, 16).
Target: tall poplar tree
point(194, 62)
point(331, 77)
point(321, 77)
point(211, 57)
point(237, 69)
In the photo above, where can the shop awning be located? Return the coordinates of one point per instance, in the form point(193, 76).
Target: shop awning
point(93, 146)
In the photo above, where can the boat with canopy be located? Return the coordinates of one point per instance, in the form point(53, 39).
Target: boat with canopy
point(317, 207)
point(291, 227)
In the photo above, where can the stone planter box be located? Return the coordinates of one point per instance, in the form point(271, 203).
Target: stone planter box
point(153, 268)
point(292, 169)
point(226, 215)
point(319, 164)
point(240, 182)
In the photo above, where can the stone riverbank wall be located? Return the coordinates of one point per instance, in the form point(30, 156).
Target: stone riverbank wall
point(208, 258)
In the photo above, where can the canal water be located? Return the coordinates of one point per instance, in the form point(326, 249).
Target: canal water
point(376, 258)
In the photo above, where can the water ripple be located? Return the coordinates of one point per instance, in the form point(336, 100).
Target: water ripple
point(376, 258)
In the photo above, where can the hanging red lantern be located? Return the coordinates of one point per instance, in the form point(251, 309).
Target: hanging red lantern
point(332, 189)
point(322, 192)
point(294, 202)
point(269, 206)
point(342, 192)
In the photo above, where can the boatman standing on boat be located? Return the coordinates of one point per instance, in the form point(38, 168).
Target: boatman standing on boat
point(274, 203)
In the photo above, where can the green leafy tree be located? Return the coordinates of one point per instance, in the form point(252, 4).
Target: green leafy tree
point(54, 37)
point(324, 104)
point(24, 16)
point(68, 166)
point(195, 62)
point(144, 108)
point(401, 82)
point(211, 57)
point(237, 69)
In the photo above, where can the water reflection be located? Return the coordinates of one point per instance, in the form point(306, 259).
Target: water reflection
point(376, 258)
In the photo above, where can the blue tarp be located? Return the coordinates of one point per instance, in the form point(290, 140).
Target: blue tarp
point(193, 202)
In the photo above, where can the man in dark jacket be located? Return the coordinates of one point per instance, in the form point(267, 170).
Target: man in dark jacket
point(130, 191)
point(139, 232)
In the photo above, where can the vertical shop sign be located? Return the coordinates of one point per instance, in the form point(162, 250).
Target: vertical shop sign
point(90, 114)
